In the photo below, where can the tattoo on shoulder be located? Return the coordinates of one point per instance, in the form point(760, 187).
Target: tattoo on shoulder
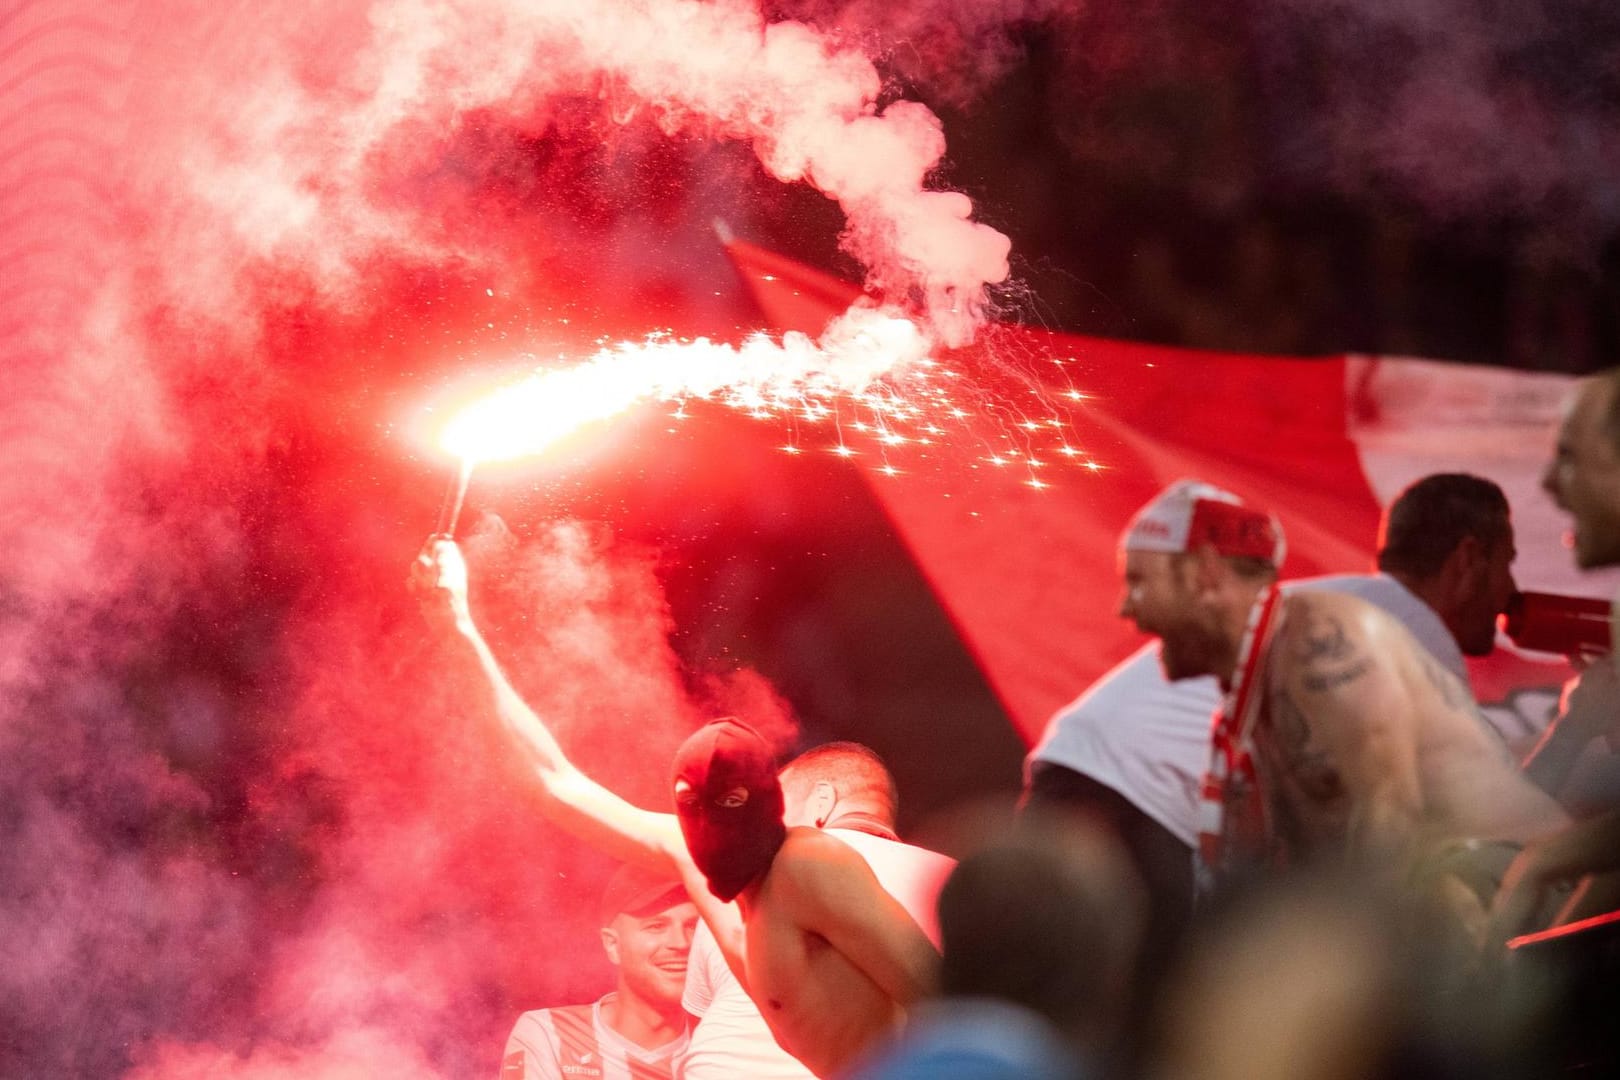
point(1326, 655)
point(1320, 683)
point(1289, 722)
point(1311, 768)
point(1322, 637)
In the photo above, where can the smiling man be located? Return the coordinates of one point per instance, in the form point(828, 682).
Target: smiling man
point(1584, 475)
point(1584, 480)
point(639, 1028)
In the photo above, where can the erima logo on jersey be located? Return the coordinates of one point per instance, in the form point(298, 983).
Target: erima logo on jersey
point(581, 1070)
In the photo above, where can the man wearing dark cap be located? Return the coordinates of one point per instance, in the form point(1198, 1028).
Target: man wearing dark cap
point(1338, 733)
point(637, 1030)
point(844, 789)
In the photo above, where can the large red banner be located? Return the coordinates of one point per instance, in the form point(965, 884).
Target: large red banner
point(1027, 571)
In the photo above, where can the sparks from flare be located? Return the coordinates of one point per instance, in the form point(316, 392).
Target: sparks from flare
point(870, 376)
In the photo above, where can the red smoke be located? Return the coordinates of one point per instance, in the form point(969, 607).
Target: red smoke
point(253, 827)
point(250, 826)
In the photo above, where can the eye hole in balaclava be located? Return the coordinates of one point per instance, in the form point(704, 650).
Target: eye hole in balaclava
point(729, 803)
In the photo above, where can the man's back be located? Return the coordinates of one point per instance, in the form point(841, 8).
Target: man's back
point(910, 874)
point(820, 998)
point(1148, 738)
point(1366, 739)
point(732, 1038)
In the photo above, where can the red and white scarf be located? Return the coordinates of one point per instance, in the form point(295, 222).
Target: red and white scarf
point(1232, 825)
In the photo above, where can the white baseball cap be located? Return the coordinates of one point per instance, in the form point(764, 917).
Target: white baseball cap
point(1191, 513)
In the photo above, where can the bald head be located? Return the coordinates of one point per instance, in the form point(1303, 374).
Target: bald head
point(852, 774)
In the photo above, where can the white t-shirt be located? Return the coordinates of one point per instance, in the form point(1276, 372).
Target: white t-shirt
point(731, 1040)
point(1148, 738)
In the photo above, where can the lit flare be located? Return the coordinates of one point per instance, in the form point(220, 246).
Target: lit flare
point(762, 375)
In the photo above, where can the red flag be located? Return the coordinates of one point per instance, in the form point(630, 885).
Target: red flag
point(1028, 572)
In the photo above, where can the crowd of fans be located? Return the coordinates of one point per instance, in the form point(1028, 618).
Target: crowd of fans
point(1281, 841)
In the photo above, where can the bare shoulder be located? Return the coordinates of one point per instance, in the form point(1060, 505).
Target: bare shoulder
point(1333, 641)
point(805, 846)
point(814, 871)
point(1309, 611)
point(806, 837)
point(1329, 640)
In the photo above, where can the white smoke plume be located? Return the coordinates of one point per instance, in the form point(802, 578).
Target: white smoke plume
point(310, 174)
point(952, 49)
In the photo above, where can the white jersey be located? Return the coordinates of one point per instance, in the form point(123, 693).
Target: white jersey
point(731, 1040)
point(1149, 739)
point(573, 1043)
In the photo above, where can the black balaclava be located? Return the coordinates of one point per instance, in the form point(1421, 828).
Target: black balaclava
point(729, 802)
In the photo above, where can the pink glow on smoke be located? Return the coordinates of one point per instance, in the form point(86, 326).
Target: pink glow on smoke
point(257, 831)
point(298, 173)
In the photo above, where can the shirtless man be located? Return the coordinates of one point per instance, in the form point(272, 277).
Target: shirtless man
point(829, 954)
point(1339, 735)
point(1133, 749)
point(845, 789)
point(831, 959)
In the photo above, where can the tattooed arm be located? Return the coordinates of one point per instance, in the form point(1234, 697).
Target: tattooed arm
point(1344, 720)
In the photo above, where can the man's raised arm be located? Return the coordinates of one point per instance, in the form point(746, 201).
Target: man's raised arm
point(573, 800)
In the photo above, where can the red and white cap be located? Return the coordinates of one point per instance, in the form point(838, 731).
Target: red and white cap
point(1189, 514)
